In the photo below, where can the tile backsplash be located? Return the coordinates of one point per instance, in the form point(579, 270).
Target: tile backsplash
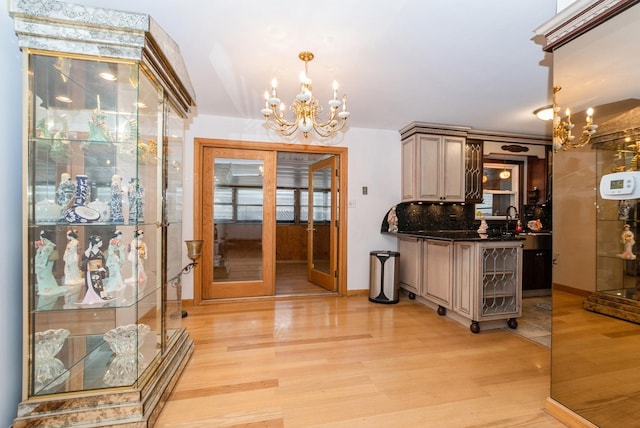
point(413, 216)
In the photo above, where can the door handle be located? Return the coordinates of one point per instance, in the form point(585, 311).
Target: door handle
point(311, 230)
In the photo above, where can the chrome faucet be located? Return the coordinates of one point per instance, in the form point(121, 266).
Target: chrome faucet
point(509, 217)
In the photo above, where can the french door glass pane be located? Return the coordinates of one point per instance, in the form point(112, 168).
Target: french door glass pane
point(238, 219)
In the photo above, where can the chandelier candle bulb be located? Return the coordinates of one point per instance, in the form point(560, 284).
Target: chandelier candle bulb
point(589, 116)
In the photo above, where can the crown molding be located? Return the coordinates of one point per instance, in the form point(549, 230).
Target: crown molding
point(577, 19)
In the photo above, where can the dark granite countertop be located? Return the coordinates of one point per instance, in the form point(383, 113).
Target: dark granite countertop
point(457, 235)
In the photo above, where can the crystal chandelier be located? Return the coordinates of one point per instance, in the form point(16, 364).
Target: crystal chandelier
point(305, 107)
point(562, 127)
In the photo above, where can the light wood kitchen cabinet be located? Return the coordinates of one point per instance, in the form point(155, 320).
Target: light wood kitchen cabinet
point(466, 273)
point(438, 273)
point(433, 168)
point(410, 272)
point(474, 281)
point(488, 282)
point(473, 171)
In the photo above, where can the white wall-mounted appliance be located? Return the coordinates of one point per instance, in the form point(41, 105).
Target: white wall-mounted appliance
point(620, 185)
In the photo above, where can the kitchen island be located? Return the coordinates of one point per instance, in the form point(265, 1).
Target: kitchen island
point(470, 277)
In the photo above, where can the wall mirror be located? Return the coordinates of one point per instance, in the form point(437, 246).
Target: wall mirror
point(595, 369)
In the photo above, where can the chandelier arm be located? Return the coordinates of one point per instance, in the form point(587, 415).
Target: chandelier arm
point(285, 130)
point(332, 117)
point(281, 120)
point(326, 133)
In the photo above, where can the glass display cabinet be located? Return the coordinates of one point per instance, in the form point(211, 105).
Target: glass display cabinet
point(106, 96)
point(617, 224)
point(616, 266)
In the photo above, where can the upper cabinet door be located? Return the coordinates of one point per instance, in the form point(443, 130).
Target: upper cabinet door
point(433, 168)
point(409, 169)
point(429, 168)
point(452, 173)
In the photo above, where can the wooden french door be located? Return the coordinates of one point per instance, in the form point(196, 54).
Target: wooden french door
point(238, 222)
point(323, 223)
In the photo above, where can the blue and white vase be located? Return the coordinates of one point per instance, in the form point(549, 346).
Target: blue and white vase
point(82, 189)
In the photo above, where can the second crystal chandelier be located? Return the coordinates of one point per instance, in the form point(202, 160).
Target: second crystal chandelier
point(305, 108)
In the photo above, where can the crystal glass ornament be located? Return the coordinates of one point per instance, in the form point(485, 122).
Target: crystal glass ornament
point(49, 370)
point(125, 342)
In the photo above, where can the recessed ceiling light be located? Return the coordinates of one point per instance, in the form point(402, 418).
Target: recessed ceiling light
point(63, 99)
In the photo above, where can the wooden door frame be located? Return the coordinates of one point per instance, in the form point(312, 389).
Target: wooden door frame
point(201, 143)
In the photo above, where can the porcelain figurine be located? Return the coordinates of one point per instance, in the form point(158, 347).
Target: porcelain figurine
point(623, 210)
point(71, 258)
point(65, 191)
point(60, 150)
point(115, 260)
point(135, 193)
point(98, 129)
point(483, 224)
point(94, 266)
point(392, 219)
point(628, 240)
point(137, 254)
point(46, 255)
point(115, 203)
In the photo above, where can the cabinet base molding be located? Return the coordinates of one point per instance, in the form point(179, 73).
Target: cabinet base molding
point(565, 415)
point(122, 407)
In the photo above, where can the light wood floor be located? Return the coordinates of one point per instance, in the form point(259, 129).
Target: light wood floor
point(596, 363)
point(291, 280)
point(329, 361)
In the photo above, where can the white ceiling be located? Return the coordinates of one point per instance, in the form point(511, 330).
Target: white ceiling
point(459, 62)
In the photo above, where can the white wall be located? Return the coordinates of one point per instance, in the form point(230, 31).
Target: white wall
point(10, 219)
point(374, 162)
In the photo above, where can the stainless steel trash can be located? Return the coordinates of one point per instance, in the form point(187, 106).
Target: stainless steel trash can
point(384, 283)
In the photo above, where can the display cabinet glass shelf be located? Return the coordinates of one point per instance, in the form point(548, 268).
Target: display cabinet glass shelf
point(106, 97)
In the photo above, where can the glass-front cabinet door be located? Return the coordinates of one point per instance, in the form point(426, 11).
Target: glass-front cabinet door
point(103, 177)
point(94, 170)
